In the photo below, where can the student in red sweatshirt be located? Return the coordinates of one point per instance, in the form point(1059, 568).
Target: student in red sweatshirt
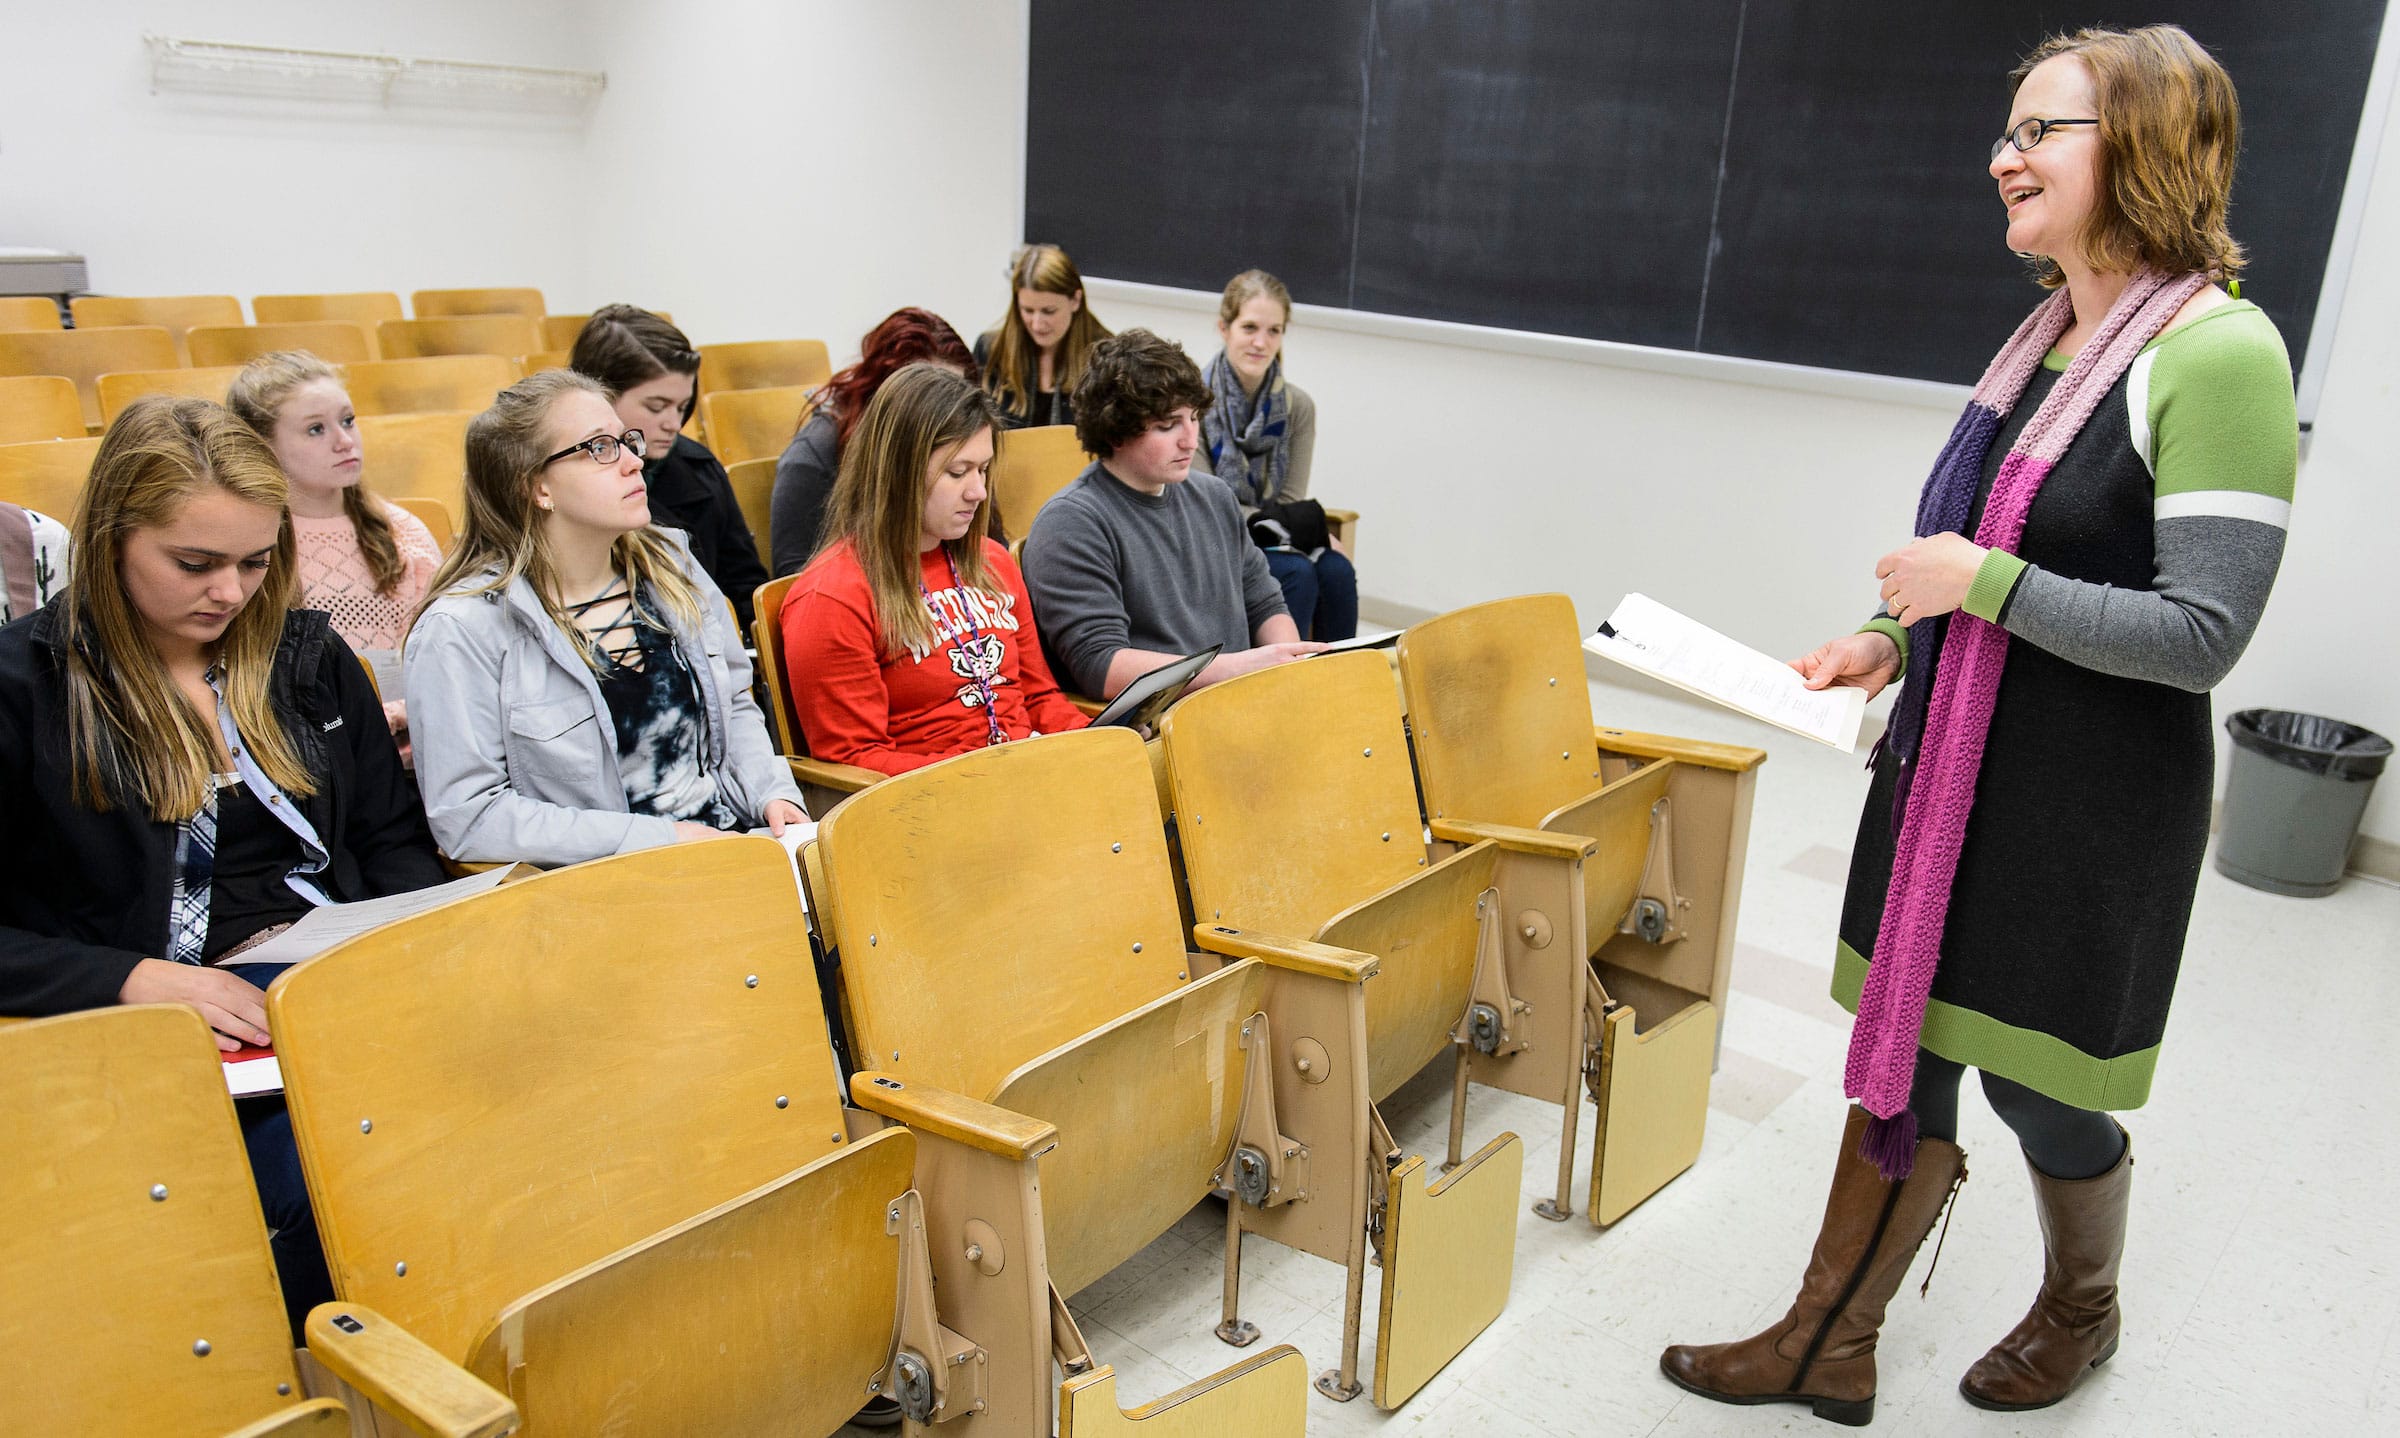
point(910, 638)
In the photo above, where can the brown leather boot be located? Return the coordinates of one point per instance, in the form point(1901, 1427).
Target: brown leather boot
point(1823, 1352)
point(2072, 1328)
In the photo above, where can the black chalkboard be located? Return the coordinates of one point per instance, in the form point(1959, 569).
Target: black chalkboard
point(1779, 181)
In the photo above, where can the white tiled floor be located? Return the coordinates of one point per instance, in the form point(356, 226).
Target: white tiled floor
point(2261, 1283)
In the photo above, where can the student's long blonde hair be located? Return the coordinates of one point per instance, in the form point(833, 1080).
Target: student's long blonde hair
point(505, 539)
point(1016, 361)
point(878, 501)
point(132, 738)
point(257, 397)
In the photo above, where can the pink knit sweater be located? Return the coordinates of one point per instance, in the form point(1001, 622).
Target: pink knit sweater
point(334, 577)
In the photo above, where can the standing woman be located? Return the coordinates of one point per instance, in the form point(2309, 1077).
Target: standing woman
point(579, 686)
point(188, 764)
point(1033, 357)
point(651, 372)
point(366, 562)
point(2024, 871)
point(911, 638)
point(1259, 435)
point(804, 475)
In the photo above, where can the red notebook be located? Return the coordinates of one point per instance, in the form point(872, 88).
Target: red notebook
point(250, 1071)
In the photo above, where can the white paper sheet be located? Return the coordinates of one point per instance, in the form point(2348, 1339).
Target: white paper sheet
point(1648, 637)
point(794, 835)
point(329, 924)
point(254, 1076)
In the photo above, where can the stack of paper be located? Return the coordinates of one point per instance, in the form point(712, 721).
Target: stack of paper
point(1648, 637)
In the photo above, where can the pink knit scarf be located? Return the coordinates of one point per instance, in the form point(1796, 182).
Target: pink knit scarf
point(1966, 658)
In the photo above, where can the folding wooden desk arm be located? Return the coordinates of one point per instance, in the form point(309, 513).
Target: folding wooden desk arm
point(824, 773)
point(404, 1376)
point(1736, 758)
point(1303, 956)
point(1516, 840)
point(953, 1116)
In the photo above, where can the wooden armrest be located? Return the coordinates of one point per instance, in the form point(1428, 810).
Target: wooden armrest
point(318, 1416)
point(953, 1116)
point(460, 868)
point(1305, 956)
point(848, 778)
point(404, 1376)
point(1340, 516)
point(1091, 707)
point(1738, 758)
point(1509, 836)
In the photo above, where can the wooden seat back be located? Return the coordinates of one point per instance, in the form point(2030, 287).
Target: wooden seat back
point(764, 364)
point(137, 1293)
point(435, 516)
point(497, 1093)
point(753, 482)
point(173, 313)
point(1500, 710)
point(992, 907)
point(48, 475)
point(364, 308)
point(39, 406)
point(117, 390)
point(428, 304)
point(766, 629)
point(333, 341)
point(744, 424)
point(413, 386)
point(559, 332)
point(1029, 469)
point(29, 312)
point(541, 360)
point(505, 335)
point(418, 456)
point(83, 355)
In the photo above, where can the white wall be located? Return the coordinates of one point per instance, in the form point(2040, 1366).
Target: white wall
point(1762, 510)
point(762, 170)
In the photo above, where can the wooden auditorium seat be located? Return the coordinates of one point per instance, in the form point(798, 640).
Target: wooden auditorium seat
point(822, 783)
point(753, 423)
point(29, 312)
point(416, 386)
point(506, 335)
point(47, 475)
point(753, 482)
point(365, 309)
point(418, 456)
point(1005, 923)
point(333, 341)
point(1029, 468)
point(137, 1291)
point(559, 332)
point(428, 304)
point(764, 364)
point(540, 360)
point(39, 406)
point(83, 355)
point(1502, 720)
point(434, 515)
point(120, 389)
point(607, 1167)
point(173, 313)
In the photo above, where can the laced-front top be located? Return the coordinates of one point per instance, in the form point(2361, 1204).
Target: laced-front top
point(655, 704)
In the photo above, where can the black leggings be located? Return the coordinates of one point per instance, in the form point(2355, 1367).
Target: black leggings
point(2060, 1139)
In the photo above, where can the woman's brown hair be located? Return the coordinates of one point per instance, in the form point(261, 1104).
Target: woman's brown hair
point(625, 345)
point(504, 538)
point(1016, 361)
point(257, 397)
point(878, 502)
point(131, 735)
point(2170, 130)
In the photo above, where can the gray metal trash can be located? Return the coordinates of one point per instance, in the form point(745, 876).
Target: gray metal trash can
point(2293, 798)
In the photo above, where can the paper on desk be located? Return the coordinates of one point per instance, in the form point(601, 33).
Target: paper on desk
point(1646, 636)
point(329, 924)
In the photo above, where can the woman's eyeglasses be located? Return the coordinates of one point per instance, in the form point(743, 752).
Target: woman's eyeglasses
point(2028, 133)
point(603, 448)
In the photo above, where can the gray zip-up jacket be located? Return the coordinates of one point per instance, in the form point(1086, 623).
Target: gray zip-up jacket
point(515, 751)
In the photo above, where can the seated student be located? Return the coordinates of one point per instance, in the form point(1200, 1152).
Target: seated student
point(33, 560)
point(1034, 357)
point(578, 686)
point(365, 561)
point(1142, 559)
point(188, 763)
point(804, 475)
point(1258, 436)
point(650, 370)
point(910, 637)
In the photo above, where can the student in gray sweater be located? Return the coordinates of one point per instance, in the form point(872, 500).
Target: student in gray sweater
point(1141, 560)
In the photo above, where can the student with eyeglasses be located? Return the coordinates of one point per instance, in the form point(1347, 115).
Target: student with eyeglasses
point(910, 637)
point(2024, 873)
point(576, 686)
point(651, 373)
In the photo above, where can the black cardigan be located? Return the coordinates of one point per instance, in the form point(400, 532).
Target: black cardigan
point(84, 895)
point(690, 491)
